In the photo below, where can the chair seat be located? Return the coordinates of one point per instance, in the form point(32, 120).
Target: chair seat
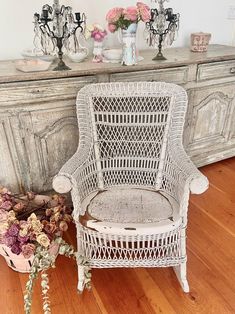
point(131, 209)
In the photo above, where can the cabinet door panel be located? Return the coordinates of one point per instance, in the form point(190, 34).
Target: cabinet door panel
point(211, 112)
point(38, 130)
point(51, 138)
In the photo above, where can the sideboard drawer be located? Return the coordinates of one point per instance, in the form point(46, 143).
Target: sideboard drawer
point(216, 70)
point(177, 75)
point(40, 91)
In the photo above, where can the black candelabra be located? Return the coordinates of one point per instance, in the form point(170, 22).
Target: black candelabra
point(162, 28)
point(57, 24)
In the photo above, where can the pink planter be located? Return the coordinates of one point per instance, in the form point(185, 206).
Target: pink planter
point(16, 262)
point(19, 262)
point(200, 41)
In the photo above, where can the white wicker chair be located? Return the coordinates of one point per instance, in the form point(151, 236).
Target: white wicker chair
point(130, 178)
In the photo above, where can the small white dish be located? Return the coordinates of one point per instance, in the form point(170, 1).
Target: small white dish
point(30, 54)
point(33, 65)
point(78, 56)
point(112, 55)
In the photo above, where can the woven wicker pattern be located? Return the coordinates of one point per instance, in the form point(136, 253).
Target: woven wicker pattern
point(108, 250)
point(131, 137)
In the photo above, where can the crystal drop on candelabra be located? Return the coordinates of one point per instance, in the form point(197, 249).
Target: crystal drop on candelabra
point(171, 37)
point(37, 42)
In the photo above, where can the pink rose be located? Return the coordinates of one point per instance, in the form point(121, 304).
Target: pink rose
point(8, 240)
point(19, 207)
point(114, 15)
point(131, 14)
point(97, 35)
point(112, 28)
point(28, 250)
point(144, 11)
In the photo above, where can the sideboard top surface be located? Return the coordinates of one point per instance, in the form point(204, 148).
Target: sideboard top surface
point(175, 57)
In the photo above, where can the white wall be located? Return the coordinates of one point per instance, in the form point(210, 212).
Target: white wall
point(16, 28)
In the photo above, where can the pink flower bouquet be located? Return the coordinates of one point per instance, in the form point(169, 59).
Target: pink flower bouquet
point(95, 31)
point(123, 18)
point(98, 33)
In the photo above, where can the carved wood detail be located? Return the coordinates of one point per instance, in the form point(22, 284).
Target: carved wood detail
point(9, 162)
point(209, 119)
point(54, 145)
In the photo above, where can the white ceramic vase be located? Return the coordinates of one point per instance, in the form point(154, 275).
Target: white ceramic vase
point(129, 56)
point(97, 51)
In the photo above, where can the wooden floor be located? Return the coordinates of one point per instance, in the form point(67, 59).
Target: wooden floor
point(211, 268)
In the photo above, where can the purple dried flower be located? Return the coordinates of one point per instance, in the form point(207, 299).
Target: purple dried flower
point(16, 249)
point(9, 241)
point(13, 230)
point(7, 205)
point(23, 240)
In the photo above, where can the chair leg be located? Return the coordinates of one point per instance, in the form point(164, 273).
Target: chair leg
point(81, 275)
point(81, 279)
point(181, 274)
point(181, 270)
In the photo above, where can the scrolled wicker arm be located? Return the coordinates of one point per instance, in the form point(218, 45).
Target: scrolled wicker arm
point(66, 179)
point(197, 182)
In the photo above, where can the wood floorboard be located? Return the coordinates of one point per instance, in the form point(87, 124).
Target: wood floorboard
point(211, 271)
point(223, 210)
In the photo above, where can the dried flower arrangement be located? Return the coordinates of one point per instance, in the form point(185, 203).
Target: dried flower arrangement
point(31, 225)
point(123, 18)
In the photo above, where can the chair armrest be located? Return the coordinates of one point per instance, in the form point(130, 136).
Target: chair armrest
point(198, 183)
point(65, 180)
point(62, 184)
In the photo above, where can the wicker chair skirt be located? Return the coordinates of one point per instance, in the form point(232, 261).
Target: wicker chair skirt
point(111, 250)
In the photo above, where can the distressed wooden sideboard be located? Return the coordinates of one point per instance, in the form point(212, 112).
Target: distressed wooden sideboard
point(38, 125)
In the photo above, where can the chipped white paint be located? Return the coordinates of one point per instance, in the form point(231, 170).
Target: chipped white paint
point(131, 206)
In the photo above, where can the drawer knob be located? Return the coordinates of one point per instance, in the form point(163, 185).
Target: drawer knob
point(232, 70)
